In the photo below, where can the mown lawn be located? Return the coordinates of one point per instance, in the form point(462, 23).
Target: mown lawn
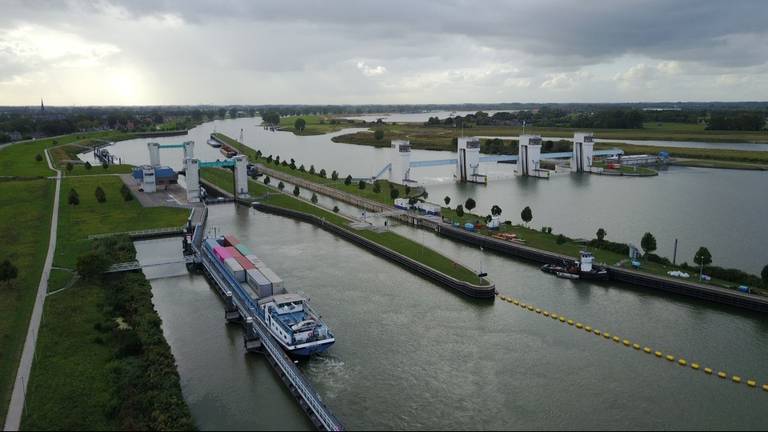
point(90, 217)
point(58, 279)
point(25, 218)
point(317, 125)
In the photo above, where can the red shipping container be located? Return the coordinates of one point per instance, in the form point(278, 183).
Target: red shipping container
point(231, 240)
point(244, 262)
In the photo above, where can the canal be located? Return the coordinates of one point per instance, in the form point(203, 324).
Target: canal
point(412, 355)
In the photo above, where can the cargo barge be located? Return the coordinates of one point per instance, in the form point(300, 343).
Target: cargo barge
point(287, 316)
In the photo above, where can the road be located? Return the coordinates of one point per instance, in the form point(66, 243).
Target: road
point(16, 407)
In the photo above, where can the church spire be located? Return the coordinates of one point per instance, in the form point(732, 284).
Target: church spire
point(42, 106)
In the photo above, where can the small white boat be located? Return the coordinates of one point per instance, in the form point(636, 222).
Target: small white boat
point(566, 275)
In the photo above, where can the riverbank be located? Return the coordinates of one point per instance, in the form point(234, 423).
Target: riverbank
point(109, 367)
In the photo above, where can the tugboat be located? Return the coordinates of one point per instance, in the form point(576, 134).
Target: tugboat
point(213, 143)
point(582, 269)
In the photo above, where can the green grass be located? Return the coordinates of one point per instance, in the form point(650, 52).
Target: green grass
point(221, 177)
point(382, 196)
point(70, 384)
point(90, 217)
point(317, 125)
point(760, 157)
point(674, 126)
point(58, 279)
point(25, 215)
point(720, 164)
point(626, 169)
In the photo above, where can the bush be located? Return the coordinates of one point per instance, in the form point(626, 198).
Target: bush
point(394, 193)
point(361, 185)
point(348, 180)
point(126, 193)
point(8, 271)
point(100, 195)
point(296, 191)
point(652, 257)
point(322, 173)
point(302, 169)
point(39, 157)
point(281, 186)
point(92, 265)
point(312, 169)
point(619, 248)
point(334, 175)
point(74, 198)
point(267, 180)
point(335, 209)
point(732, 275)
point(105, 166)
point(459, 210)
point(314, 198)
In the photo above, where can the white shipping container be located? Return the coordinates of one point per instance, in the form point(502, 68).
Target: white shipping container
point(235, 268)
point(277, 283)
point(255, 261)
point(260, 285)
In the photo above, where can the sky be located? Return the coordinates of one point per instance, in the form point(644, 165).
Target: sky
point(169, 52)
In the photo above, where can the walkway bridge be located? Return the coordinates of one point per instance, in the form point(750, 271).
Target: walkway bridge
point(136, 265)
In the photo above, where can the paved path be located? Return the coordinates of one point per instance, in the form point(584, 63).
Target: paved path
point(16, 407)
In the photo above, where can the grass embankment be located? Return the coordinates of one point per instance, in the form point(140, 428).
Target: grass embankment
point(441, 138)
point(571, 248)
point(59, 278)
point(91, 372)
point(627, 170)
point(317, 125)
point(62, 154)
point(91, 217)
point(389, 239)
point(221, 177)
point(383, 196)
point(25, 215)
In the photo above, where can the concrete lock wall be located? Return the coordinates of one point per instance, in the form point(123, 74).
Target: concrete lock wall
point(468, 161)
point(241, 175)
point(401, 161)
point(583, 151)
point(192, 170)
point(529, 155)
point(154, 153)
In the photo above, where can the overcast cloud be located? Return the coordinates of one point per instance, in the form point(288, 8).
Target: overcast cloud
point(191, 52)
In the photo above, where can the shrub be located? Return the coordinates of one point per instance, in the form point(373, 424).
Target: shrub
point(348, 180)
point(126, 193)
point(322, 173)
point(312, 169)
point(74, 198)
point(281, 186)
point(100, 195)
point(296, 191)
point(314, 198)
point(267, 180)
point(394, 193)
point(8, 271)
point(334, 175)
point(335, 209)
point(92, 265)
point(619, 248)
point(652, 257)
point(105, 166)
point(302, 169)
point(39, 157)
point(361, 185)
point(459, 210)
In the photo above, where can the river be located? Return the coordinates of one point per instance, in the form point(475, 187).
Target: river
point(413, 355)
point(723, 210)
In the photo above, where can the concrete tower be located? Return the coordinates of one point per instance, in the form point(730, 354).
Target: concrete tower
point(189, 149)
point(583, 149)
point(401, 161)
point(192, 177)
point(148, 182)
point(529, 155)
point(241, 176)
point(468, 161)
point(154, 154)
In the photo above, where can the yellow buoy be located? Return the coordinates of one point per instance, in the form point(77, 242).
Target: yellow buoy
point(579, 325)
point(510, 300)
point(570, 322)
point(597, 332)
point(503, 297)
point(516, 302)
point(670, 357)
point(562, 319)
point(607, 335)
point(695, 366)
point(616, 338)
point(765, 387)
point(722, 375)
point(625, 342)
point(545, 313)
point(708, 371)
point(682, 362)
point(554, 315)
point(636, 346)
point(647, 350)
point(736, 379)
point(657, 354)
point(751, 383)
point(530, 308)
point(522, 305)
point(588, 329)
point(538, 311)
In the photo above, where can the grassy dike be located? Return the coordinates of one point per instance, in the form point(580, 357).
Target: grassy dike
point(382, 196)
point(102, 361)
point(391, 240)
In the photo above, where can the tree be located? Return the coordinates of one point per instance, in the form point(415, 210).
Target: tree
point(91, 265)
point(267, 180)
point(459, 210)
point(648, 243)
point(312, 169)
point(322, 173)
point(334, 175)
point(126, 193)
point(447, 200)
point(348, 180)
point(39, 157)
point(496, 210)
point(314, 198)
point(277, 160)
point(601, 233)
point(70, 167)
point(469, 204)
point(296, 191)
point(702, 257)
point(105, 165)
point(281, 186)
point(379, 134)
point(88, 166)
point(376, 187)
point(100, 195)
point(302, 169)
point(361, 185)
point(74, 198)
point(764, 275)
point(394, 193)
point(526, 215)
point(299, 124)
point(335, 209)
point(8, 271)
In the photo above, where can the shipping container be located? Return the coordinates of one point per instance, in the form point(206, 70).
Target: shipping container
point(256, 261)
point(231, 240)
point(222, 253)
point(243, 249)
point(243, 261)
point(211, 243)
point(277, 283)
point(237, 270)
point(260, 285)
